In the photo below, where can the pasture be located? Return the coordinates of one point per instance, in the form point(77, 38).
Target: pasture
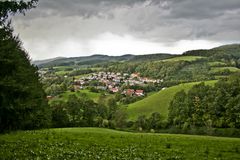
point(106, 144)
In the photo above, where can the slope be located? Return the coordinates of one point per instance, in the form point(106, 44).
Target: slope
point(158, 102)
point(96, 143)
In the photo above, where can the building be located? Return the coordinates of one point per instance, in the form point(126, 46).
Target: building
point(139, 93)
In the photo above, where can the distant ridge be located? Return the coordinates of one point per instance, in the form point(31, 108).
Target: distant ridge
point(38, 62)
point(231, 50)
point(98, 59)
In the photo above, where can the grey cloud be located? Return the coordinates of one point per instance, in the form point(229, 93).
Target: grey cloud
point(161, 21)
point(166, 19)
point(84, 8)
point(201, 9)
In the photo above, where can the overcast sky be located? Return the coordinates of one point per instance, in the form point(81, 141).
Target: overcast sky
point(115, 27)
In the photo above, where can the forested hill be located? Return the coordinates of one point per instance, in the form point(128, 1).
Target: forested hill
point(228, 52)
point(39, 62)
point(99, 59)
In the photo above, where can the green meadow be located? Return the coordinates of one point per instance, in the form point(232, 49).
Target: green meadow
point(183, 58)
point(106, 144)
point(81, 93)
point(220, 69)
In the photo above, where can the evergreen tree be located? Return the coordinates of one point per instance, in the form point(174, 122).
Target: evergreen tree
point(23, 102)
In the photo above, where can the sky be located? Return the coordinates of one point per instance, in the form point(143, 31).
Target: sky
point(72, 28)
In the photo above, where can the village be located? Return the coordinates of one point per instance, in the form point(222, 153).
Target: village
point(114, 82)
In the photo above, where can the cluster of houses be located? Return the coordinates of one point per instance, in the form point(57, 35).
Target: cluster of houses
point(113, 81)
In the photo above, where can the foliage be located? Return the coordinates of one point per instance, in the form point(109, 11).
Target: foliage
point(208, 106)
point(158, 102)
point(78, 110)
point(23, 102)
point(12, 7)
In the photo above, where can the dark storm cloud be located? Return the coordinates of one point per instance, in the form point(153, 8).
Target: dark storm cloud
point(84, 8)
point(164, 22)
point(202, 9)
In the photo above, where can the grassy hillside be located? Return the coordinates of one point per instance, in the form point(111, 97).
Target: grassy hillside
point(184, 58)
point(93, 144)
point(91, 95)
point(158, 102)
point(219, 69)
point(217, 64)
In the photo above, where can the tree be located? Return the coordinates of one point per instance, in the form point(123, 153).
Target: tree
point(112, 104)
point(60, 116)
point(75, 108)
point(141, 122)
point(23, 103)
point(178, 109)
point(120, 118)
point(155, 121)
point(12, 7)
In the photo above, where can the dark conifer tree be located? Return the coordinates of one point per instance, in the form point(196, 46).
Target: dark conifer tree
point(23, 102)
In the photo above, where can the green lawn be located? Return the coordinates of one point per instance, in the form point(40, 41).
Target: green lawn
point(92, 95)
point(62, 73)
point(219, 69)
point(217, 64)
point(81, 76)
point(62, 67)
point(158, 102)
point(61, 70)
point(183, 58)
point(105, 144)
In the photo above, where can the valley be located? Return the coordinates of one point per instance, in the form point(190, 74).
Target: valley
point(138, 92)
point(125, 80)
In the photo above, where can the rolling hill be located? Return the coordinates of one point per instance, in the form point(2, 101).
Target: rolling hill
point(232, 50)
point(158, 102)
point(99, 59)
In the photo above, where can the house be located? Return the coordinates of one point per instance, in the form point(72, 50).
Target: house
point(129, 92)
point(114, 90)
point(139, 93)
point(135, 75)
point(110, 87)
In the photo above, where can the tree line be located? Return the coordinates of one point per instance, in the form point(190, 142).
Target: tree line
point(207, 106)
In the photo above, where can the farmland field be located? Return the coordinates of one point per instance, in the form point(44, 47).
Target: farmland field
point(219, 69)
point(91, 95)
point(217, 64)
point(93, 144)
point(183, 58)
point(158, 102)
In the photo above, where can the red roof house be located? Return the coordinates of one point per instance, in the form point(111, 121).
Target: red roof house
point(139, 92)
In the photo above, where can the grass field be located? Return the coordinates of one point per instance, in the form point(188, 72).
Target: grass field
point(92, 95)
point(158, 102)
point(105, 144)
point(217, 64)
point(219, 69)
point(183, 58)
